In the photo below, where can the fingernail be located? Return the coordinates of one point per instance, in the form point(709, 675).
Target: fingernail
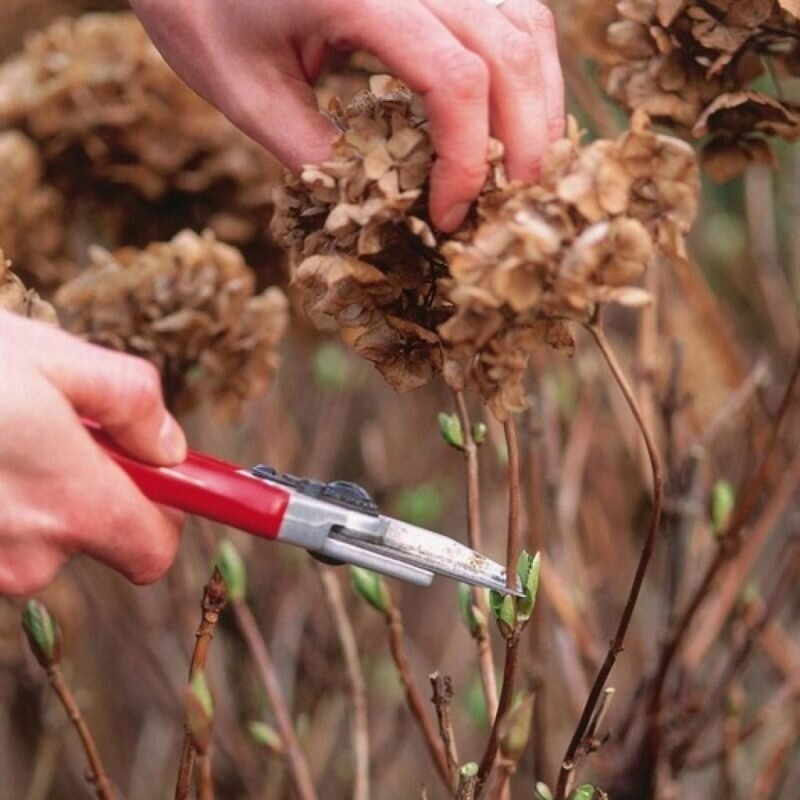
point(171, 440)
point(455, 216)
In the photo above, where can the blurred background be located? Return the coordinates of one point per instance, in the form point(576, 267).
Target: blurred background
point(141, 160)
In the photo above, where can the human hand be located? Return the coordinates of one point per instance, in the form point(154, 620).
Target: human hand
point(59, 493)
point(479, 68)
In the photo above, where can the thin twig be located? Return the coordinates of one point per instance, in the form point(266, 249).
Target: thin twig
point(512, 642)
point(96, 774)
point(332, 591)
point(486, 666)
point(416, 704)
point(211, 606)
point(617, 643)
point(298, 767)
point(205, 781)
point(442, 688)
point(746, 503)
point(514, 542)
point(467, 787)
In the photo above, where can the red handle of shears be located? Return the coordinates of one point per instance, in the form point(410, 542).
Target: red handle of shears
point(207, 487)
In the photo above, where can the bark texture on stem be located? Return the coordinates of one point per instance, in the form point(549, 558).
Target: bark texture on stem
point(568, 762)
point(214, 599)
point(332, 591)
point(96, 774)
point(416, 704)
point(486, 666)
point(298, 767)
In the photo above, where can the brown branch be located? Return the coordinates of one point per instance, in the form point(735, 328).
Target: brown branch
point(298, 767)
point(514, 541)
point(332, 591)
point(417, 706)
point(512, 642)
point(617, 643)
point(716, 696)
point(205, 782)
point(211, 606)
point(96, 774)
point(486, 666)
point(442, 688)
point(745, 506)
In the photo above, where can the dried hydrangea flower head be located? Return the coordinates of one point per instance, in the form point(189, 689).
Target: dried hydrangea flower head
point(529, 259)
point(545, 253)
point(16, 298)
point(364, 254)
point(690, 64)
point(31, 213)
point(188, 306)
point(100, 100)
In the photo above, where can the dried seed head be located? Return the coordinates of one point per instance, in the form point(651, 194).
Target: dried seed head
point(186, 305)
point(529, 258)
point(689, 64)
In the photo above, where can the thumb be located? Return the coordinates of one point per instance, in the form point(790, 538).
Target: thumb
point(120, 392)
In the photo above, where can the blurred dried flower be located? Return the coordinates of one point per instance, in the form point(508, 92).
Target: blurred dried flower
point(16, 298)
point(530, 258)
point(98, 98)
point(31, 213)
point(186, 305)
point(689, 64)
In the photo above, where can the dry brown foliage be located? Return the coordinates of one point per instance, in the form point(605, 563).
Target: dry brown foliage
point(691, 64)
point(366, 256)
point(189, 307)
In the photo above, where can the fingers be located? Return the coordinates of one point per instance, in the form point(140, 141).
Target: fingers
point(304, 136)
point(129, 533)
point(517, 96)
point(537, 20)
point(419, 49)
point(120, 392)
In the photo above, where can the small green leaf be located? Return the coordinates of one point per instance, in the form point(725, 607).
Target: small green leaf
point(723, 499)
point(504, 611)
point(265, 735)
point(42, 632)
point(469, 770)
point(543, 791)
point(470, 613)
point(371, 587)
point(332, 369)
point(199, 711)
point(528, 570)
point(479, 432)
point(234, 572)
point(421, 505)
point(585, 792)
point(450, 428)
point(515, 730)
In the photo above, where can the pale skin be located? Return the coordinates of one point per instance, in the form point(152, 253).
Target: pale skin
point(481, 70)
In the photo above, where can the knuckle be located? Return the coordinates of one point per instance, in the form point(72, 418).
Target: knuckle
point(157, 558)
point(519, 55)
point(542, 20)
point(142, 383)
point(467, 75)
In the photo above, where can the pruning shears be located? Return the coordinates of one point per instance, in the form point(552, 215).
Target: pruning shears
point(337, 522)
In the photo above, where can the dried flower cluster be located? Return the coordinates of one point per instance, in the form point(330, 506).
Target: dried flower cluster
point(532, 256)
point(186, 305)
point(31, 213)
point(16, 298)
point(100, 101)
point(552, 251)
point(692, 64)
point(364, 253)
